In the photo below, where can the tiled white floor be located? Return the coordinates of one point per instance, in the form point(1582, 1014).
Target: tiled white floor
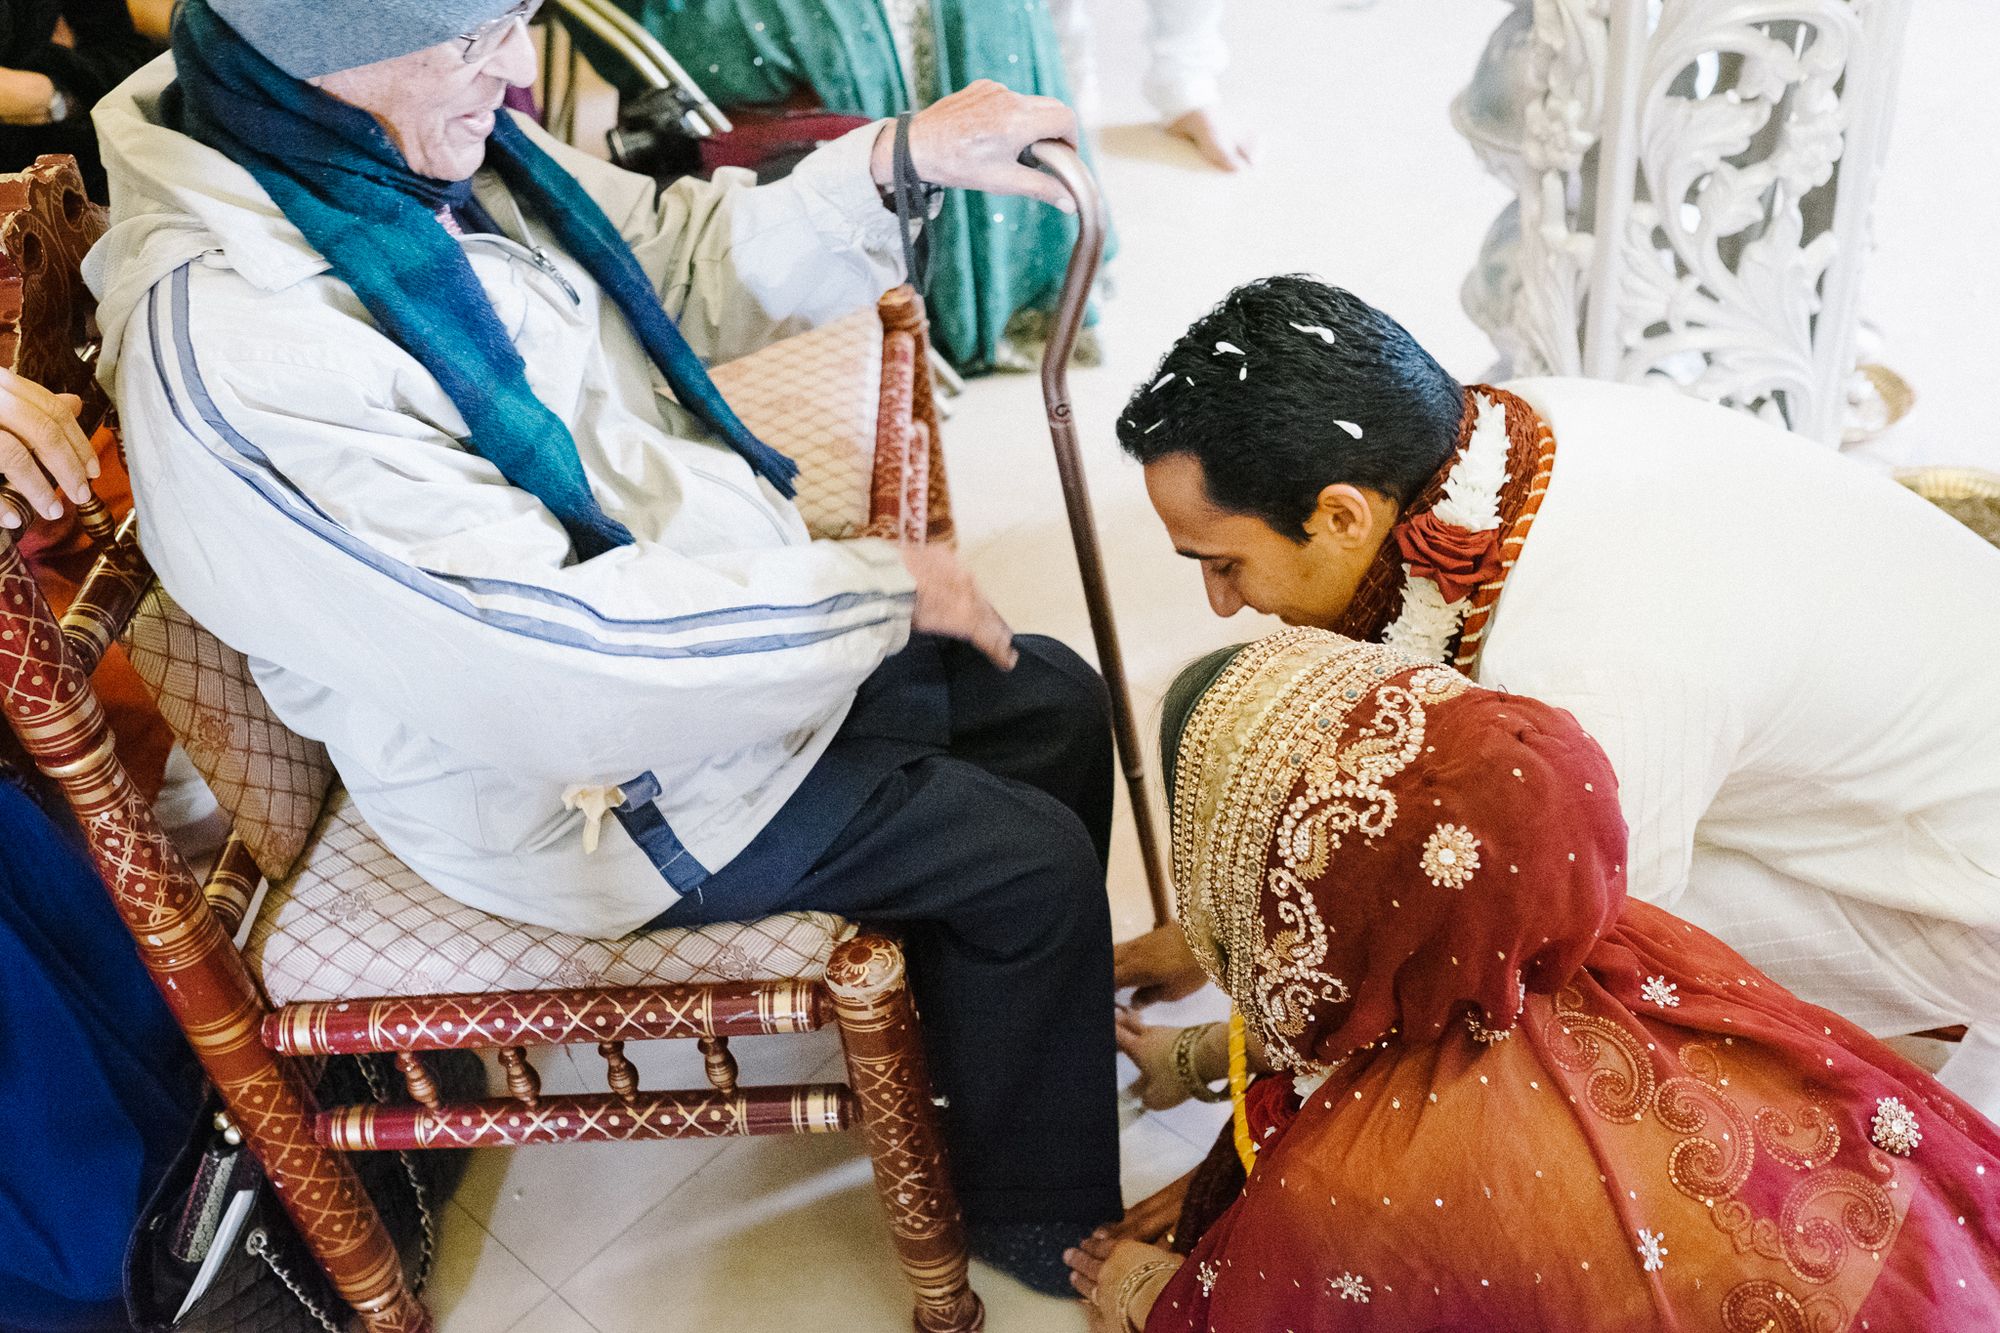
point(1364, 183)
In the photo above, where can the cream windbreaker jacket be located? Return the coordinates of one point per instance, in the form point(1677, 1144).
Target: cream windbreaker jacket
point(303, 492)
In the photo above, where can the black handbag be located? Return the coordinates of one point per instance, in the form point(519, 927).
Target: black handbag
point(264, 1279)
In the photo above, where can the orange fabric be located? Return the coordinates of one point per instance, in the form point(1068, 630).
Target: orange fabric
point(1460, 1186)
point(1510, 1098)
point(58, 551)
point(1456, 560)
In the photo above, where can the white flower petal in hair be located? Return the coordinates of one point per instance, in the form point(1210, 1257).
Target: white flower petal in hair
point(1324, 334)
point(1427, 623)
point(1244, 373)
point(1229, 349)
point(1350, 428)
point(1161, 383)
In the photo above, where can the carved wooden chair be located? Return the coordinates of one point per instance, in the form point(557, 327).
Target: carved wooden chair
point(351, 951)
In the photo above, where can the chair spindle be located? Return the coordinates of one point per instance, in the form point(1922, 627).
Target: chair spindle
point(620, 1072)
point(418, 1079)
point(522, 1080)
point(98, 523)
point(720, 1064)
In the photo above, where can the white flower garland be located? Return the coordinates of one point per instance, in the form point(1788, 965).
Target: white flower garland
point(1428, 623)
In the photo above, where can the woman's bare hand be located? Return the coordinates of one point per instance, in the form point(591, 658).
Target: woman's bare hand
point(1099, 1268)
point(1152, 1050)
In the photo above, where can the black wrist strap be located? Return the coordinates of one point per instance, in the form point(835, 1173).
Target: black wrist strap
point(912, 205)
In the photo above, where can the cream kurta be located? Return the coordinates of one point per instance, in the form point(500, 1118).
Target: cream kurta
point(1789, 660)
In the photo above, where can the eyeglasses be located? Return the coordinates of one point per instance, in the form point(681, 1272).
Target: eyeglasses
point(486, 39)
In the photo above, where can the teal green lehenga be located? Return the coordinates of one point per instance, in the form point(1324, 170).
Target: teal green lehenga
point(993, 258)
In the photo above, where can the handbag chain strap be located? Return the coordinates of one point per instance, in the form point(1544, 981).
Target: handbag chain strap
point(259, 1244)
point(426, 1222)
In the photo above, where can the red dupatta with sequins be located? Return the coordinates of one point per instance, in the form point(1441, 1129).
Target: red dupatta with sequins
point(1527, 1102)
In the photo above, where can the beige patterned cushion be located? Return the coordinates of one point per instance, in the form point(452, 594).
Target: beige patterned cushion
point(269, 778)
point(816, 396)
point(356, 923)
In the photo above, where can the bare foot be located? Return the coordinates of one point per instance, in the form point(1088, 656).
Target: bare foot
point(1223, 146)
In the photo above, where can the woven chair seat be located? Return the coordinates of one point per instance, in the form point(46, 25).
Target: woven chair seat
point(816, 396)
point(355, 922)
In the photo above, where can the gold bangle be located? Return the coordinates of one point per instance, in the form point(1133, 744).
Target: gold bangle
point(1194, 1085)
point(1135, 1281)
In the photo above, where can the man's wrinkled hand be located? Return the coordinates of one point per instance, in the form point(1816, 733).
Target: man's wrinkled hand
point(950, 604)
point(44, 454)
point(1158, 967)
point(974, 139)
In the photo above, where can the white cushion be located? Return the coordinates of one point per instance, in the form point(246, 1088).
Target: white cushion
point(354, 922)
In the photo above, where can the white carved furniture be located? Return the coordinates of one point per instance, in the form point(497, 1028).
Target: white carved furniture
point(1693, 182)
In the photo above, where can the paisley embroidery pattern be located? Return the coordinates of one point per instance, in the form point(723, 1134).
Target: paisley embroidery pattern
point(1583, 1043)
point(1777, 1130)
point(1830, 1216)
point(1705, 1166)
point(1816, 1245)
point(1761, 1306)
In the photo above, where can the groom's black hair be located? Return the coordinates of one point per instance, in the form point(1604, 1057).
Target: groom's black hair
point(1255, 388)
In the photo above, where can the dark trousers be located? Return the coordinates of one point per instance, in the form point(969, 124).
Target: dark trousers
point(969, 810)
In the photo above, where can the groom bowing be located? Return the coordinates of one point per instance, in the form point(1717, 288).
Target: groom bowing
point(1787, 658)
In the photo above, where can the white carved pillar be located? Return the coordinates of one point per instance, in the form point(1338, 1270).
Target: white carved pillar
point(1692, 181)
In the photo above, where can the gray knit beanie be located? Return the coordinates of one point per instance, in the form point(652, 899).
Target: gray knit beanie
point(308, 38)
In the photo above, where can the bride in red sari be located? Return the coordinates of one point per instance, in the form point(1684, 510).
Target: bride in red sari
point(1505, 1096)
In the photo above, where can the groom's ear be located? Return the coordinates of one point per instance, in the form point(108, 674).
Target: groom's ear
point(1349, 516)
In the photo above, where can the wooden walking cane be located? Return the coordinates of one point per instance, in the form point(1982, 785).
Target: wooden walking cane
point(1066, 165)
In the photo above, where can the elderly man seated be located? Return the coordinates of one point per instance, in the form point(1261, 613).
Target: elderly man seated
point(394, 370)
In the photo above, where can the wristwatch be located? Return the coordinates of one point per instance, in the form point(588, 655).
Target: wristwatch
point(61, 105)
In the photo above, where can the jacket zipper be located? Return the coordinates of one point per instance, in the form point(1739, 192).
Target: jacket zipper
point(753, 501)
point(537, 257)
point(536, 254)
point(548, 266)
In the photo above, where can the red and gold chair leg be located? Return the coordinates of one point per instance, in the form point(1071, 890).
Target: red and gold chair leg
point(49, 704)
point(886, 1069)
